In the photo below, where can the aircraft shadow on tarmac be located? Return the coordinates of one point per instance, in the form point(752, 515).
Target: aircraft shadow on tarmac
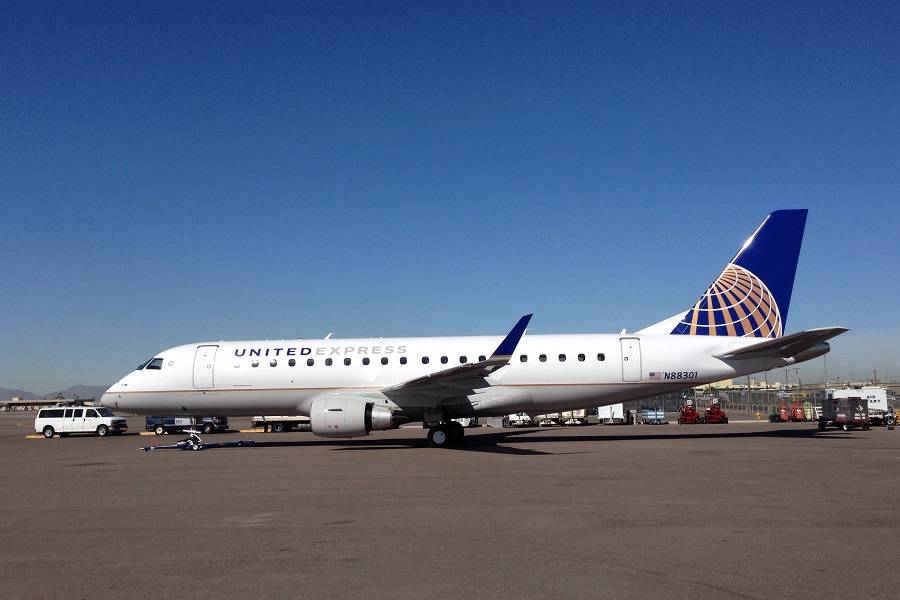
point(495, 442)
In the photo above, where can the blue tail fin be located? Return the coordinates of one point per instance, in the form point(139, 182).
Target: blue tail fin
point(752, 296)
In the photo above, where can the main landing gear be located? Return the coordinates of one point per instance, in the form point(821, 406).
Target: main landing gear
point(445, 435)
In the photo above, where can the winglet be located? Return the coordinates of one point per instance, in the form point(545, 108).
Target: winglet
point(509, 343)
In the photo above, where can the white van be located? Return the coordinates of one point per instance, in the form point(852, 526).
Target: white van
point(66, 420)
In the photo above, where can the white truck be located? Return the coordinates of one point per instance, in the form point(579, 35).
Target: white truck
point(548, 419)
point(518, 420)
point(876, 396)
point(574, 417)
point(62, 421)
point(282, 423)
point(614, 414)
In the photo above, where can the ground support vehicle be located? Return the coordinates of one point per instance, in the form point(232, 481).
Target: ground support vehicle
point(518, 420)
point(170, 424)
point(796, 414)
point(875, 397)
point(62, 421)
point(780, 414)
point(548, 419)
point(653, 416)
point(845, 413)
point(281, 424)
point(715, 414)
point(688, 415)
point(613, 414)
point(574, 417)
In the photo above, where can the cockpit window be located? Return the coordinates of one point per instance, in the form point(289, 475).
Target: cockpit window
point(155, 364)
point(143, 364)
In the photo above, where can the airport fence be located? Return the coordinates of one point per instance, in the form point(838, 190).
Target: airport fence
point(739, 403)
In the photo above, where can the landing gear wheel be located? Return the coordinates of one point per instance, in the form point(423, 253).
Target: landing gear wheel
point(457, 431)
point(159, 430)
point(439, 436)
point(48, 432)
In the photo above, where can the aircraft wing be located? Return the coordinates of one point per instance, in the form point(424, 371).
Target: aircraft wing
point(787, 346)
point(457, 381)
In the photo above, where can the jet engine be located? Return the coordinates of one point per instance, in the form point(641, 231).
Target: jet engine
point(811, 353)
point(348, 416)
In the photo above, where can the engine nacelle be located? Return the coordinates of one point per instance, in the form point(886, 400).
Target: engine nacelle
point(812, 352)
point(348, 416)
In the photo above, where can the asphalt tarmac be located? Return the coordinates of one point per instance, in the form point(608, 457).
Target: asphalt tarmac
point(751, 510)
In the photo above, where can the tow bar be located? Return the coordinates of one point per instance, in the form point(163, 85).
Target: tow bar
point(194, 442)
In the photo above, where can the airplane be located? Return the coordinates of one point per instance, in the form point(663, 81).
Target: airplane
point(351, 387)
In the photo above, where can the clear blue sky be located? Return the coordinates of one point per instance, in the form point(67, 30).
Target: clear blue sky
point(194, 171)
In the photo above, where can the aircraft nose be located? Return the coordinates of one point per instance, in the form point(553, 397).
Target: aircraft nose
point(112, 399)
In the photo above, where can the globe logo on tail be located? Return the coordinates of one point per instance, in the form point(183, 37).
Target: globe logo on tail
point(738, 303)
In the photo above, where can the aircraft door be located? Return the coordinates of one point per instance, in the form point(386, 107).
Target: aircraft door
point(204, 367)
point(631, 359)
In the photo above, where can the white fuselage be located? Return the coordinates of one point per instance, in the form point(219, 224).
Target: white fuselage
point(274, 377)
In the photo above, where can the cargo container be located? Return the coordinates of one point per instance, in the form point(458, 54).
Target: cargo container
point(845, 413)
point(653, 416)
point(614, 414)
point(875, 397)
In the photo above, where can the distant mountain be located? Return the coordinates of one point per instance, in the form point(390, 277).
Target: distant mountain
point(6, 394)
point(82, 391)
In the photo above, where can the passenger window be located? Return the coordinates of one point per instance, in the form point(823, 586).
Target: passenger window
point(328, 362)
point(562, 358)
point(310, 362)
point(542, 358)
point(523, 358)
point(68, 414)
point(601, 356)
point(424, 360)
point(482, 358)
point(292, 362)
point(402, 360)
point(463, 360)
point(78, 413)
point(255, 363)
point(90, 413)
point(346, 362)
point(366, 360)
point(443, 360)
point(384, 360)
point(273, 362)
point(581, 357)
point(155, 364)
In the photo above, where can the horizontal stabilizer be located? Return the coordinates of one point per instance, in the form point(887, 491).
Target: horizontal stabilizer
point(785, 347)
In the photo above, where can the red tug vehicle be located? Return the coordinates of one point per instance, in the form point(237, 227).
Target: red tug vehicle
point(687, 414)
point(797, 415)
point(715, 414)
point(780, 414)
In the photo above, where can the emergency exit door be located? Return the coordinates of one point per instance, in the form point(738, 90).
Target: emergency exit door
point(204, 367)
point(631, 359)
